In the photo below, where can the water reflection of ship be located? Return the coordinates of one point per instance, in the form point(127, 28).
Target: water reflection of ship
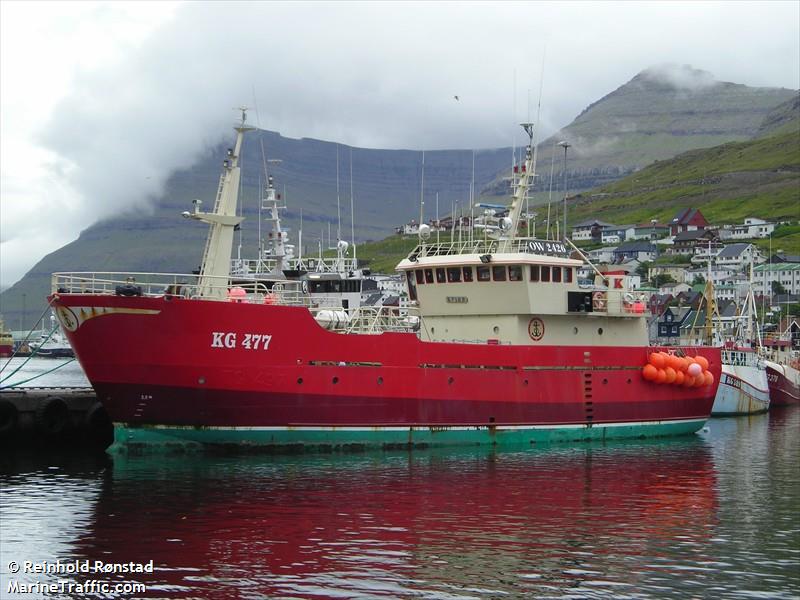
point(361, 524)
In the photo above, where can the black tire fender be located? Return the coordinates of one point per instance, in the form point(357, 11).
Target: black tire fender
point(9, 418)
point(52, 416)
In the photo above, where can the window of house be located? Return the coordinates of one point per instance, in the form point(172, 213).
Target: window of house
point(499, 272)
point(467, 272)
point(484, 273)
point(440, 276)
point(515, 272)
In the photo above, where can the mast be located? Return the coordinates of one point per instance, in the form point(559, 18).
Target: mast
point(521, 191)
point(215, 268)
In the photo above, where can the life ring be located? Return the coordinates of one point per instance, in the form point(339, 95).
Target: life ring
point(304, 286)
point(628, 298)
point(99, 428)
point(9, 417)
point(52, 416)
point(599, 301)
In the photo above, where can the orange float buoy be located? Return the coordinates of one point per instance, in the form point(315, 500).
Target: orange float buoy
point(649, 372)
point(657, 360)
point(688, 381)
point(703, 362)
point(669, 375)
point(661, 376)
point(708, 377)
point(679, 377)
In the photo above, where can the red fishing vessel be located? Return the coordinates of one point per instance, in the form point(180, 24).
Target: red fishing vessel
point(500, 343)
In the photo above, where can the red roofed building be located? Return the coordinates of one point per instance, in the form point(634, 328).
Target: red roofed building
point(687, 219)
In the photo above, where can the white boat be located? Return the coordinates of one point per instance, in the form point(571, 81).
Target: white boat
point(52, 344)
point(743, 387)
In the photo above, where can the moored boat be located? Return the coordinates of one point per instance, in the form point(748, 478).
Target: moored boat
point(506, 346)
point(743, 388)
point(6, 341)
point(783, 370)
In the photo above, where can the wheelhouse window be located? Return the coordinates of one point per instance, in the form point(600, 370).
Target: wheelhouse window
point(428, 275)
point(545, 274)
point(499, 272)
point(412, 288)
point(440, 276)
point(467, 271)
point(484, 273)
point(420, 276)
point(556, 274)
point(453, 274)
point(534, 272)
point(568, 275)
point(515, 272)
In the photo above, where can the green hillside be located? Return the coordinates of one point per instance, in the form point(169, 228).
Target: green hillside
point(757, 178)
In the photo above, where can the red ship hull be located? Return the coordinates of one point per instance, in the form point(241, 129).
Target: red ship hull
point(205, 366)
point(782, 391)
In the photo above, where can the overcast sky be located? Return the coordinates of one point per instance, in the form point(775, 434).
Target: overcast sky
point(99, 102)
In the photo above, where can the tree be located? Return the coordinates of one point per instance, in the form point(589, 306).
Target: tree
point(661, 279)
point(778, 289)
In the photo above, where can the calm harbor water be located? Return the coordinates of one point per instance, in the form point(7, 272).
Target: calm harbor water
point(711, 515)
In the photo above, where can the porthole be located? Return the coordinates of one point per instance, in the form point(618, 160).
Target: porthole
point(450, 380)
point(299, 381)
point(380, 380)
point(605, 381)
point(496, 329)
point(575, 330)
point(599, 331)
point(335, 380)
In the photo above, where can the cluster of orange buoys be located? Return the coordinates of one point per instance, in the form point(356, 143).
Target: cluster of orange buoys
point(663, 367)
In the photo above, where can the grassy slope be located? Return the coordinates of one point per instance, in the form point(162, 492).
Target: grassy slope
point(758, 178)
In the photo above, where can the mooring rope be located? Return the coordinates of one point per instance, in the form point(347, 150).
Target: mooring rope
point(18, 383)
point(25, 341)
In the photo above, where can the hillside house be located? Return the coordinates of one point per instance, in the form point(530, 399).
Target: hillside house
point(738, 256)
point(670, 322)
point(780, 257)
point(751, 228)
point(695, 242)
point(602, 255)
point(677, 272)
point(787, 274)
point(674, 288)
point(590, 230)
point(649, 231)
point(687, 219)
point(641, 251)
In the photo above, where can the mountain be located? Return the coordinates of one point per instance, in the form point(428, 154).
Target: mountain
point(661, 112)
point(386, 191)
point(754, 178)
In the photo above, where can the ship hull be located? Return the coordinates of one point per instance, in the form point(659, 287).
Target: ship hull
point(784, 384)
point(743, 390)
point(218, 372)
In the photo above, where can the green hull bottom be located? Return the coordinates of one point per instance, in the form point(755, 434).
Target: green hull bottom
point(181, 439)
